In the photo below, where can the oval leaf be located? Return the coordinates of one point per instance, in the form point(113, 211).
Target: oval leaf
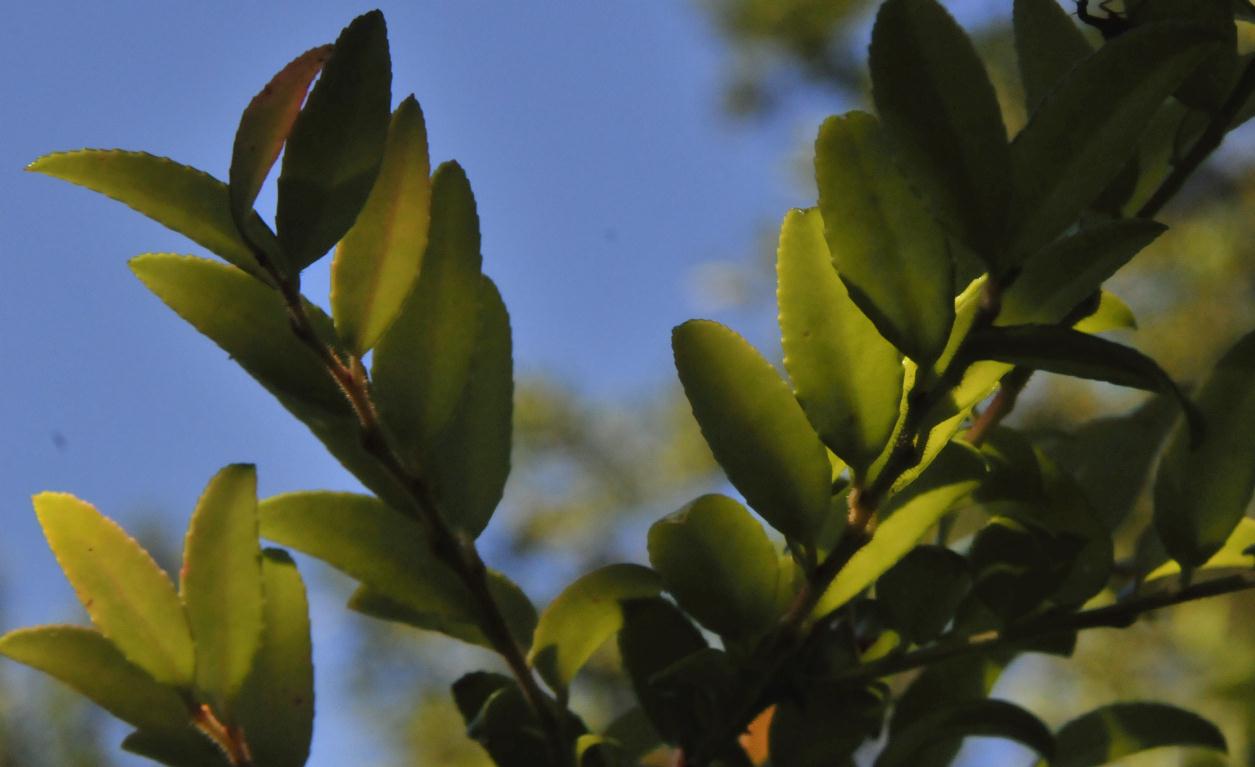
point(1118, 730)
point(1237, 554)
point(377, 262)
point(922, 591)
point(1047, 44)
point(220, 584)
point(656, 636)
point(87, 661)
point(755, 428)
point(718, 563)
point(889, 251)
point(939, 108)
point(1202, 491)
point(336, 143)
point(127, 595)
point(584, 615)
point(185, 748)
point(826, 338)
point(986, 718)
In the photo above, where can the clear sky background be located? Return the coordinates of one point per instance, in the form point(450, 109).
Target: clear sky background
point(605, 170)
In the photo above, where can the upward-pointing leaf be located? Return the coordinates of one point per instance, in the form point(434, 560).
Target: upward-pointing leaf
point(221, 584)
point(336, 143)
point(847, 377)
point(378, 260)
point(181, 198)
point(128, 597)
point(940, 110)
point(755, 428)
point(1047, 44)
point(1122, 729)
point(1202, 491)
point(1087, 128)
point(265, 125)
point(888, 249)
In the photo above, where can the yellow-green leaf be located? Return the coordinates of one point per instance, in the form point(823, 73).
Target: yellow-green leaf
point(1237, 554)
point(377, 262)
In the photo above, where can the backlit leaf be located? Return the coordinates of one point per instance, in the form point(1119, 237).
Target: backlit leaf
point(1047, 44)
point(185, 748)
point(1237, 554)
point(985, 718)
point(1115, 731)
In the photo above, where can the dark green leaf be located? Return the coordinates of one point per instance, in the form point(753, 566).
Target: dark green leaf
point(922, 591)
point(1018, 565)
point(718, 563)
point(277, 702)
point(1208, 86)
point(1087, 128)
point(824, 727)
point(220, 584)
point(1203, 490)
point(184, 199)
point(888, 249)
point(378, 260)
point(185, 748)
point(940, 110)
point(583, 616)
point(654, 637)
point(955, 681)
point(986, 718)
point(1236, 555)
point(335, 146)
point(826, 338)
point(422, 363)
point(634, 734)
point(1118, 730)
point(499, 719)
point(1047, 44)
point(129, 598)
point(755, 428)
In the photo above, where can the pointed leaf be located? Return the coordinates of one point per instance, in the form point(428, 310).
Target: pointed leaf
point(87, 661)
point(656, 636)
point(1237, 554)
point(922, 591)
point(185, 748)
point(962, 679)
point(221, 584)
point(939, 109)
point(955, 473)
point(1087, 128)
point(1202, 491)
point(1121, 729)
point(1048, 44)
point(277, 703)
point(335, 146)
point(718, 563)
point(886, 246)
point(826, 338)
point(1111, 314)
point(127, 595)
point(422, 363)
point(265, 125)
point(583, 616)
point(755, 428)
point(986, 718)
point(499, 718)
point(378, 261)
point(181, 198)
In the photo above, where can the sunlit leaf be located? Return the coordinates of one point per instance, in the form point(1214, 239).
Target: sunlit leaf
point(826, 338)
point(886, 246)
point(1236, 555)
point(378, 260)
point(335, 146)
point(129, 598)
point(1115, 731)
point(755, 428)
point(220, 584)
point(1110, 314)
point(1047, 44)
point(985, 718)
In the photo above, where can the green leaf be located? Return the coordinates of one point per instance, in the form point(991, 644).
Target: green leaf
point(264, 127)
point(986, 718)
point(1019, 564)
point(1209, 85)
point(824, 726)
point(655, 636)
point(958, 680)
point(1087, 128)
point(87, 661)
point(470, 467)
point(923, 590)
point(1110, 314)
point(633, 733)
point(499, 718)
point(1202, 490)
point(583, 616)
point(220, 584)
point(718, 563)
point(181, 198)
point(277, 703)
point(1121, 729)
point(939, 109)
point(422, 363)
point(755, 428)
point(826, 338)
point(186, 748)
point(888, 249)
point(129, 598)
point(377, 262)
point(1235, 555)
point(249, 322)
point(1063, 275)
point(335, 146)
point(955, 473)
point(1047, 45)
point(1073, 353)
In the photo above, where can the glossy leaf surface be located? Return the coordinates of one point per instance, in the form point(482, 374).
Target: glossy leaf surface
point(1121, 729)
point(129, 598)
point(987, 718)
point(1047, 44)
point(378, 260)
point(755, 428)
point(335, 146)
point(846, 376)
point(886, 246)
